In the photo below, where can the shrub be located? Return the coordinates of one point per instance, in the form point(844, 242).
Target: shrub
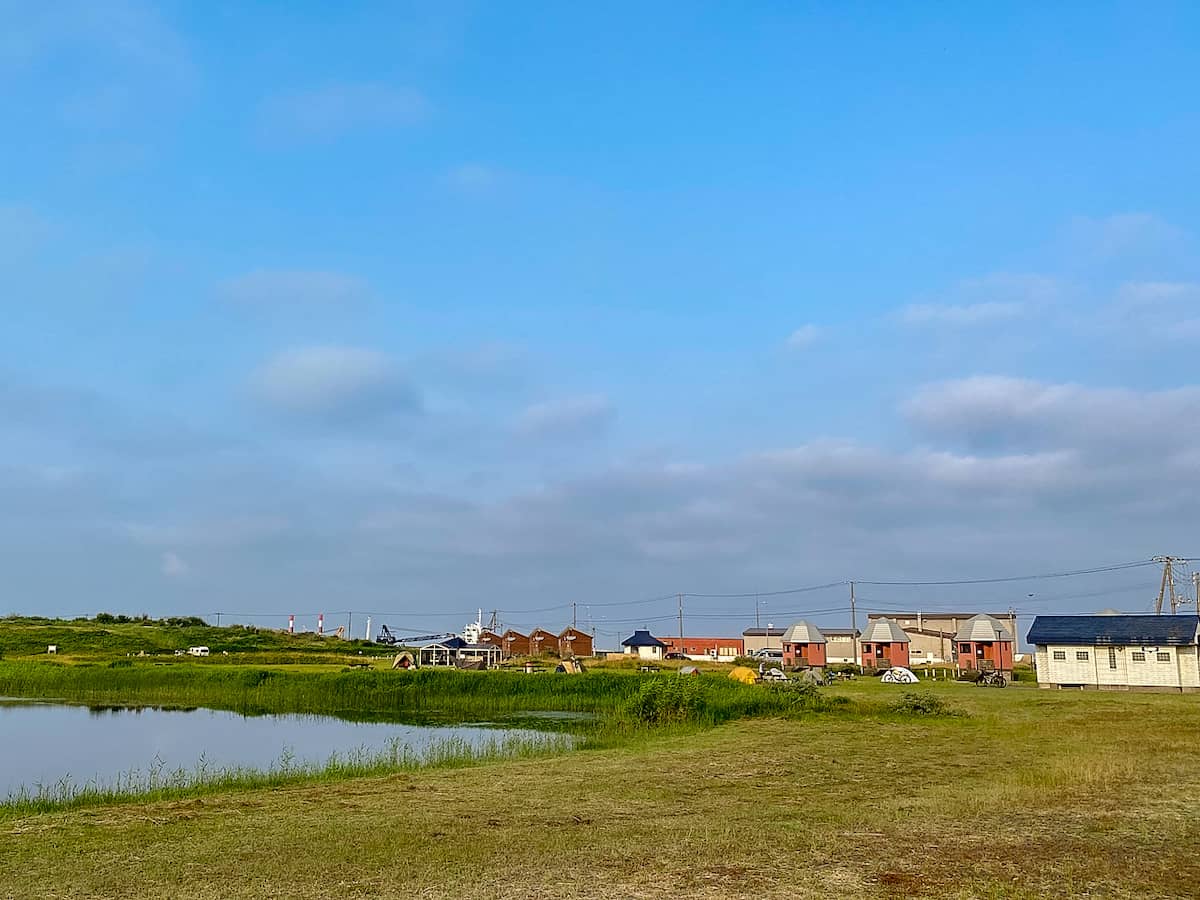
point(121, 664)
point(913, 704)
point(748, 661)
point(663, 700)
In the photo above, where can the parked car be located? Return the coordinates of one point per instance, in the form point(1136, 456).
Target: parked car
point(769, 654)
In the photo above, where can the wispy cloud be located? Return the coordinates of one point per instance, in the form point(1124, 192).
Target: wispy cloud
point(568, 417)
point(967, 314)
point(804, 337)
point(331, 110)
point(173, 566)
point(335, 385)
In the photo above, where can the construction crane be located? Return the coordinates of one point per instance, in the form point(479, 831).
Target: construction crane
point(387, 637)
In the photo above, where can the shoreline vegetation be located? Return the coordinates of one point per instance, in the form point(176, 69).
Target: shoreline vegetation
point(608, 707)
point(157, 783)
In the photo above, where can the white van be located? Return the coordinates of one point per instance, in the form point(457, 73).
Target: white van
point(198, 651)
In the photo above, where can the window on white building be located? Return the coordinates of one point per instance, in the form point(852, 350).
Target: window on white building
point(1060, 654)
point(1081, 654)
point(1139, 656)
point(1164, 657)
point(1112, 657)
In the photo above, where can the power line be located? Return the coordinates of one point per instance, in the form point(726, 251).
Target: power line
point(1047, 575)
point(799, 590)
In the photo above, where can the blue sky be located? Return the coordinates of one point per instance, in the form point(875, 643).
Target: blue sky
point(416, 309)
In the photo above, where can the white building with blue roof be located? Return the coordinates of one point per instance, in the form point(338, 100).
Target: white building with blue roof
point(1117, 653)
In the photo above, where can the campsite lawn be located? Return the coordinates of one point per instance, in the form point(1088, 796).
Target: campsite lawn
point(1034, 793)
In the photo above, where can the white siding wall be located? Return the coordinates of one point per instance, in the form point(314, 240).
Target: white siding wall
point(1180, 668)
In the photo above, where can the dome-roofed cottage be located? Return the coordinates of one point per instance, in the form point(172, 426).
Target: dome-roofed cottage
point(884, 644)
point(803, 645)
point(983, 644)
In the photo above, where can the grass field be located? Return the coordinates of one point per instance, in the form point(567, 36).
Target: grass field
point(1031, 794)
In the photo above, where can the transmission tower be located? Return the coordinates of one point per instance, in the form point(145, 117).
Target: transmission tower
point(1168, 583)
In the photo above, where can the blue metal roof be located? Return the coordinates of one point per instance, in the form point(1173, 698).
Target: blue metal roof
point(1126, 631)
point(642, 638)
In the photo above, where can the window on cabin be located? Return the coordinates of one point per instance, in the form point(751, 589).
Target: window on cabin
point(1081, 654)
point(1060, 654)
point(1139, 656)
point(1164, 657)
point(1112, 657)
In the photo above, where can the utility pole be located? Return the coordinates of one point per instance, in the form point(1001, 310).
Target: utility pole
point(574, 615)
point(218, 620)
point(350, 625)
point(757, 623)
point(853, 625)
point(1168, 584)
point(681, 623)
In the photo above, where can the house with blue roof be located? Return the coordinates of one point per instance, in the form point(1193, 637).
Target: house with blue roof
point(1117, 652)
point(643, 645)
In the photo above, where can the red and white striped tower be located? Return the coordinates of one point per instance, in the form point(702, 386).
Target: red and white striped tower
point(291, 624)
point(320, 623)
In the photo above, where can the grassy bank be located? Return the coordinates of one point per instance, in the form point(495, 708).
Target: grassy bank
point(427, 694)
point(89, 639)
point(1032, 794)
point(158, 783)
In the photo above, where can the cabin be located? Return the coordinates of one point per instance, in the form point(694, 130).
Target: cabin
point(1117, 652)
point(514, 643)
point(542, 641)
point(490, 637)
point(572, 642)
point(983, 644)
point(721, 649)
point(884, 644)
point(643, 645)
point(803, 645)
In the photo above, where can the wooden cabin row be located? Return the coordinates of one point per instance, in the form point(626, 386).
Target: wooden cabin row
point(567, 643)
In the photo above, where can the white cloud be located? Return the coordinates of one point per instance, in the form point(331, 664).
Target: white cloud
point(999, 297)
point(173, 566)
point(567, 417)
point(337, 384)
point(804, 337)
point(293, 286)
point(333, 109)
point(999, 410)
point(969, 314)
point(470, 177)
point(1124, 235)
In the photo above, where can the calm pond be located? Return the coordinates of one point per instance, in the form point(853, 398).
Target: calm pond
point(45, 743)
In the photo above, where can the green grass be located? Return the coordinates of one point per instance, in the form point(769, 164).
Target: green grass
point(89, 639)
point(157, 784)
point(1030, 794)
point(421, 695)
